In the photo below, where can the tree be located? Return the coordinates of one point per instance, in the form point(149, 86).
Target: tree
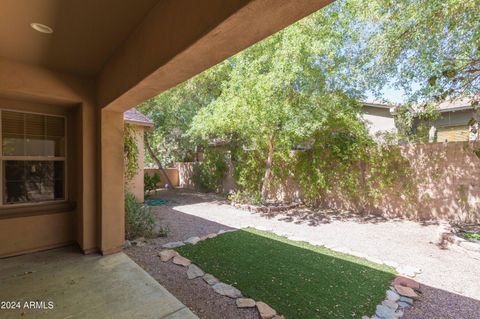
point(430, 48)
point(301, 85)
point(173, 110)
point(281, 91)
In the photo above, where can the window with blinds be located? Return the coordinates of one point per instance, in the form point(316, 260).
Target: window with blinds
point(32, 158)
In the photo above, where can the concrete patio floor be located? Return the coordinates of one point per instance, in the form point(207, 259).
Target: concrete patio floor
point(82, 286)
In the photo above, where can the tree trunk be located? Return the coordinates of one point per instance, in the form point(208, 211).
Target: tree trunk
point(268, 171)
point(155, 158)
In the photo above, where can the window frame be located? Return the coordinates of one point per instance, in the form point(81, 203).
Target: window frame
point(33, 158)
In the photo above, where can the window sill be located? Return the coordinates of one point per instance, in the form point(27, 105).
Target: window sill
point(36, 209)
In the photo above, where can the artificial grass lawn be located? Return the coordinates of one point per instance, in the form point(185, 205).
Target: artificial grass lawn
point(297, 279)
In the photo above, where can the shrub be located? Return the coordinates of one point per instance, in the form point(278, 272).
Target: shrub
point(209, 174)
point(163, 231)
point(139, 221)
point(150, 182)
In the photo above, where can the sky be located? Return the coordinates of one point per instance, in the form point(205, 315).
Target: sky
point(390, 94)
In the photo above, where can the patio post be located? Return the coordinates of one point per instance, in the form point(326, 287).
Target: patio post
point(112, 213)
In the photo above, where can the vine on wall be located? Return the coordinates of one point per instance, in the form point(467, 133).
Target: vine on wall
point(130, 152)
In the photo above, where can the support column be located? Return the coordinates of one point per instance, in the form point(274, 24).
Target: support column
point(112, 212)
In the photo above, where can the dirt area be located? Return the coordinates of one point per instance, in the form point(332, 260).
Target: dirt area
point(195, 294)
point(449, 277)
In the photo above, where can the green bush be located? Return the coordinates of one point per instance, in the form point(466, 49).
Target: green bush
point(139, 220)
point(209, 174)
point(248, 169)
point(150, 182)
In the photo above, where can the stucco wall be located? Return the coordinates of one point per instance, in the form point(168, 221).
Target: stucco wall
point(185, 174)
point(172, 173)
point(135, 186)
point(446, 179)
point(28, 88)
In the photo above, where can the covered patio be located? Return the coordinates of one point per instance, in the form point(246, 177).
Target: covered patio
point(62, 283)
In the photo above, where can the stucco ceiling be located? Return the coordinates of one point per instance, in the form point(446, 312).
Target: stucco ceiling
point(86, 32)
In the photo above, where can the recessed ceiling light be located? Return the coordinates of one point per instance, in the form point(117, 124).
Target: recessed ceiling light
point(41, 27)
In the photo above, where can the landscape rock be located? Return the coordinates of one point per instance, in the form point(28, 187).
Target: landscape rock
point(140, 242)
point(194, 272)
point(403, 304)
point(210, 279)
point(167, 254)
point(226, 290)
point(174, 244)
point(407, 282)
point(181, 261)
point(385, 312)
point(212, 235)
point(406, 300)
point(392, 295)
point(406, 291)
point(390, 304)
point(266, 312)
point(245, 303)
point(127, 244)
point(192, 240)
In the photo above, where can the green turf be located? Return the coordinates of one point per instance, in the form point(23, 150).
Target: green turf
point(472, 236)
point(299, 280)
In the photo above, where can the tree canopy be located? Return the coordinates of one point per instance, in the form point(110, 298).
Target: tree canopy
point(302, 85)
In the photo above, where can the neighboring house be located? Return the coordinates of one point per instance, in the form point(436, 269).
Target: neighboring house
point(458, 121)
point(379, 117)
point(140, 124)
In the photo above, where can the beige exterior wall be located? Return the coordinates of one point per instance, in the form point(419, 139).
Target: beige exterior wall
point(34, 89)
point(446, 177)
point(172, 173)
point(453, 133)
point(185, 176)
point(135, 186)
point(93, 216)
point(378, 120)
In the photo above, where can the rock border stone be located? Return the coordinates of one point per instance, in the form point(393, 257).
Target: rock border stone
point(399, 296)
point(446, 236)
point(194, 272)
